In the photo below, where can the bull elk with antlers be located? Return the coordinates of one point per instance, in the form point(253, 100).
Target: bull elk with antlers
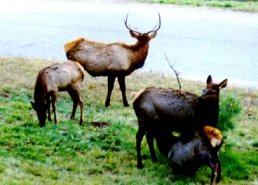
point(114, 60)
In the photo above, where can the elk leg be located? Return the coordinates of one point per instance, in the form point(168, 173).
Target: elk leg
point(216, 171)
point(81, 108)
point(214, 175)
point(72, 94)
point(111, 80)
point(139, 137)
point(150, 139)
point(48, 108)
point(78, 99)
point(121, 81)
point(54, 97)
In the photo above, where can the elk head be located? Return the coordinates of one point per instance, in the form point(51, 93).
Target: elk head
point(213, 88)
point(208, 103)
point(41, 110)
point(144, 37)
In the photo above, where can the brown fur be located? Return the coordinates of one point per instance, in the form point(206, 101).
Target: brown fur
point(214, 135)
point(114, 60)
point(162, 111)
point(67, 76)
point(69, 45)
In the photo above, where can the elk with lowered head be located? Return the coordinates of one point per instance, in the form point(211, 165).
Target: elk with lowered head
point(161, 110)
point(186, 158)
point(114, 60)
point(67, 76)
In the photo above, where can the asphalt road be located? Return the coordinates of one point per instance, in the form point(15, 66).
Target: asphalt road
point(198, 41)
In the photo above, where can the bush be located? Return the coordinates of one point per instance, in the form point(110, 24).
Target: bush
point(230, 107)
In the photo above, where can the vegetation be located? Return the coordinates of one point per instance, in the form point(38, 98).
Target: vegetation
point(69, 154)
point(239, 5)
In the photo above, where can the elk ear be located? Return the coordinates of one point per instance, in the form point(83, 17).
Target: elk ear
point(152, 35)
point(209, 80)
point(214, 136)
point(134, 34)
point(223, 84)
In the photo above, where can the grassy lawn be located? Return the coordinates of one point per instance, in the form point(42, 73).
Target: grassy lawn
point(69, 154)
point(244, 5)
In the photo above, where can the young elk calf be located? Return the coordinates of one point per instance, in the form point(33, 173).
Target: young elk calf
point(165, 110)
point(114, 60)
point(67, 76)
point(203, 149)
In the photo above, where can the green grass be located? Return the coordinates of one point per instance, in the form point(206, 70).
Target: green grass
point(244, 5)
point(71, 154)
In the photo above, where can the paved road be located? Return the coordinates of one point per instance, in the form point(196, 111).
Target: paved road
point(198, 41)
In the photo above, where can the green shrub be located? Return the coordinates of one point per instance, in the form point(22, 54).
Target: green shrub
point(230, 107)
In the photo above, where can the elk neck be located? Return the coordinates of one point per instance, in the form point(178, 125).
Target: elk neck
point(208, 111)
point(40, 91)
point(138, 54)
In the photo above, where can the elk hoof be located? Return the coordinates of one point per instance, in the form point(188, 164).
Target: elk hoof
point(107, 104)
point(139, 166)
point(126, 105)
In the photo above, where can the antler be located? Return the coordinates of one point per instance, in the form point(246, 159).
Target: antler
point(157, 27)
point(130, 29)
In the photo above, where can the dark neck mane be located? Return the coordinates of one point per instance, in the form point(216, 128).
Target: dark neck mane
point(139, 54)
point(39, 93)
point(207, 111)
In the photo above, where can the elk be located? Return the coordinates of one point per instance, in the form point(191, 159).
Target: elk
point(160, 110)
point(114, 60)
point(67, 76)
point(202, 150)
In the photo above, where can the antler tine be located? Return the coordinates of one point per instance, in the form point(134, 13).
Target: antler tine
point(126, 25)
point(126, 22)
point(154, 27)
point(157, 27)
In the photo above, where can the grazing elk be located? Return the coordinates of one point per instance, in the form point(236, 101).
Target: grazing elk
point(186, 158)
point(166, 110)
point(67, 76)
point(114, 60)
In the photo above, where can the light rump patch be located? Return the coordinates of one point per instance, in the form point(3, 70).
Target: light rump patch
point(214, 135)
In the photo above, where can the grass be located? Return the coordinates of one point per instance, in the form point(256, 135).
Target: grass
point(69, 154)
point(241, 5)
